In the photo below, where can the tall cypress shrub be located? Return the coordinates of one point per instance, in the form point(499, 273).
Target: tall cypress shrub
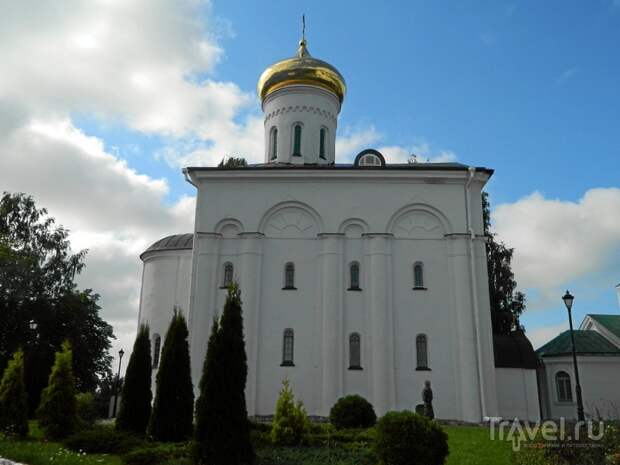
point(13, 398)
point(58, 409)
point(135, 409)
point(222, 428)
point(171, 419)
point(207, 434)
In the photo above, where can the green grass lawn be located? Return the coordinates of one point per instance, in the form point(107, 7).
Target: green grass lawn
point(469, 445)
point(34, 450)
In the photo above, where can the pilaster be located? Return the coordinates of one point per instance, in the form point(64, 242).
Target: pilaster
point(250, 285)
point(379, 251)
point(332, 297)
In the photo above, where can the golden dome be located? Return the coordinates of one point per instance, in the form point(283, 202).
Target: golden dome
point(301, 69)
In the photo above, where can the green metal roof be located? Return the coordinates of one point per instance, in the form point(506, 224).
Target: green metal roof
point(587, 342)
point(610, 322)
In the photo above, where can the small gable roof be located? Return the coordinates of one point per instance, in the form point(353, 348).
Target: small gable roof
point(586, 343)
point(610, 322)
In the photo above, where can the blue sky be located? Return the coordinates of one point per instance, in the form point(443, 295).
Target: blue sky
point(527, 88)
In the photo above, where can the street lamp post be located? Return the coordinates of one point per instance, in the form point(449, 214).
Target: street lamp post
point(568, 301)
point(118, 374)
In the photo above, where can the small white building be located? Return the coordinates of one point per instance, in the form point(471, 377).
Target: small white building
point(597, 345)
point(365, 278)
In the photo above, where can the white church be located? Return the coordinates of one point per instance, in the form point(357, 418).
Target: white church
point(365, 278)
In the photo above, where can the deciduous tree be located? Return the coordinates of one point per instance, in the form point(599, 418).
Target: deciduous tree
point(37, 271)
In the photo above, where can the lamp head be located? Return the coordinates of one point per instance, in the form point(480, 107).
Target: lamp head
point(568, 300)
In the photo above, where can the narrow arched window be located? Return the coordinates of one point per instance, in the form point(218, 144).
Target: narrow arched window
point(297, 140)
point(354, 278)
point(355, 352)
point(289, 276)
point(288, 347)
point(273, 143)
point(227, 278)
point(156, 349)
point(563, 386)
point(418, 275)
point(421, 347)
point(322, 143)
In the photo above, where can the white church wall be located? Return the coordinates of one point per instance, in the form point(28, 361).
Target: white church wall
point(292, 232)
point(294, 309)
point(600, 385)
point(517, 394)
point(166, 278)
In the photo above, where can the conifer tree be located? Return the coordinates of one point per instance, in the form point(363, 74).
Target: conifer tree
point(13, 398)
point(172, 415)
point(135, 409)
point(58, 409)
point(222, 427)
point(209, 409)
point(290, 423)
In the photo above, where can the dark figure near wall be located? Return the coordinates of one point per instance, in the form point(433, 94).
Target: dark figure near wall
point(427, 397)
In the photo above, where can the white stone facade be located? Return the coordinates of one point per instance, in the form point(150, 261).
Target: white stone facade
point(322, 220)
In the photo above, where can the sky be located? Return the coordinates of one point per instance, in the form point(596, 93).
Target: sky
point(102, 103)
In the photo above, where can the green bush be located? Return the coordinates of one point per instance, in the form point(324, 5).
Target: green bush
point(103, 441)
point(86, 409)
point(159, 454)
point(328, 436)
point(314, 456)
point(406, 438)
point(13, 399)
point(58, 409)
point(290, 423)
point(352, 412)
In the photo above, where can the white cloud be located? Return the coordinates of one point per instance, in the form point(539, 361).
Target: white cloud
point(423, 151)
point(542, 335)
point(352, 141)
point(109, 208)
point(558, 241)
point(143, 63)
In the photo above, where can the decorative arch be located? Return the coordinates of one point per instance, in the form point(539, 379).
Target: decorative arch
point(353, 227)
point(229, 227)
point(419, 221)
point(291, 219)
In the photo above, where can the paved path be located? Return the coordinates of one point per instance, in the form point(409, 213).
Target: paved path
point(8, 462)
